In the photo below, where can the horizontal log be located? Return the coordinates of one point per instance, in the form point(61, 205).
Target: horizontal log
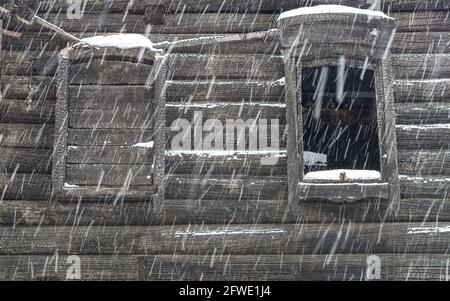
point(55, 268)
point(392, 238)
point(340, 193)
point(108, 97)
point(25, 186)
point(202, 211)
point(108, 174)
point(424, 186)
point(25, 160)
point(224, 268)
point(139, 116)
point(38, 88)
point(415, 66)
point(291, 267)
point(96, 72)
point(264, 91)
point(30, 63)
point(420, 113)
point(422, 90)
point(239, 163)
point(108, 155)
point(267, 6)
point(426, 137)
point(26, 135)
point(254, 67)
point(424, 162)
point(31, 112)
point(418, 42)
point(110, 137)
point(422, 21)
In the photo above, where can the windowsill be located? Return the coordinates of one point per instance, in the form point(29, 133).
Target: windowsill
point(347, 192)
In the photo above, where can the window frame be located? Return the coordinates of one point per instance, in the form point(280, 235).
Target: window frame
point(388, 188)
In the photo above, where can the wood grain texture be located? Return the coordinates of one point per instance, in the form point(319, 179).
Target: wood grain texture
point(225, 268)
point(291, 267)
point(418, 91)
point(393, 238)
point(139, 116)
point(25, 160)
point(27, 111)
point(26, 135)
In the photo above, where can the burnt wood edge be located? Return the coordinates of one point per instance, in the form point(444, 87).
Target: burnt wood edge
point(61, 122)
point(384, 82)
point(294, 143)
point(159, 129)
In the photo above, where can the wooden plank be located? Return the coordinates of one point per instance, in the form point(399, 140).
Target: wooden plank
point(109, 154)
point(251, 163)
point(139, 116)
point(110, 137)
point(108, 174)
point(426, 137)
point(423, 162)
point(28, 87)
point(254, 67)
point(25, 186)
point(422, 21)
point(224, 268)
point(56, 268)
point(30, 112)
point(108, 97)
point(392, 238)
point(30, 62)
point(26, 135)
point(203, 211)
point(422, 91)
point(25, 160)
point(224, 91)
point(112, 73)
point(421, 42)
point(424, 186)
point(421, 113)
point(227, 110)
point(341, 193)
point(291, 268)
point(415, 66)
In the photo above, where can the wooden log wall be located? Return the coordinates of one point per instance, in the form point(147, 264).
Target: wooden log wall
point(223, 217)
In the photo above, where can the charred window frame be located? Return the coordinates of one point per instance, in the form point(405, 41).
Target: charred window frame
point(295, 59)
point(155, 188)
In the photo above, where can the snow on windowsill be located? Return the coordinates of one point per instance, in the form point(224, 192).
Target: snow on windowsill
point(332, 9)
point(350, 175)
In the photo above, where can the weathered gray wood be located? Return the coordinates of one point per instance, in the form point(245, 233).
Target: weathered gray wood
point(28, 87)
point(225, 268)
point(25, 186)
point(110, 137)
point(97, 73)
point(23, 111)
point(223, 91)
point(25, 160)
point(422, 91)
point(422, 21)
point(291, 268)
point(426, 137)
point(418, 42)
point(254, 67)
point(108, 174)
point(415, 66)
point(108, 97)
point(26, 135)
point(420, 113)
point(396, 238)
point(423, 162)
point(30, 63)
point(341, 193)
point(109, 154)
point(139, 116)
point(56, 267)
point(206, 211)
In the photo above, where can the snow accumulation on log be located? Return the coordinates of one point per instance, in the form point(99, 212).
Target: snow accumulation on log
point(120, 41)
point(348, 174)
point(332, 9)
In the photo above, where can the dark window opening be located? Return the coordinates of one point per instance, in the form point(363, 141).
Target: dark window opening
point(339, 119)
